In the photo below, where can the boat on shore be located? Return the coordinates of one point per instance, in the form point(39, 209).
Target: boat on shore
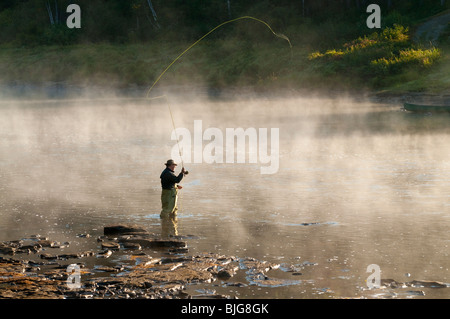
point(426, 108)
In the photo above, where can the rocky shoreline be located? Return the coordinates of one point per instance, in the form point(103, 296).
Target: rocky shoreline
point(46, 274)
point(36, 267)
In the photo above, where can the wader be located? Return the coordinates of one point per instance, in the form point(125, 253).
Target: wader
point(169, 202)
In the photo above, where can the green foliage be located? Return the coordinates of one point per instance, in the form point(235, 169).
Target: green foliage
point(407, 57)
point(58, 35)
point(120, 43)
point(377, 55)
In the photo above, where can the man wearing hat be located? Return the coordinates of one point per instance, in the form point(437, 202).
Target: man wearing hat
point(169, 185)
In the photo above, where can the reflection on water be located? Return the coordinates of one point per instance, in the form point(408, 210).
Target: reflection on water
point(169, 227)
point(358, 184)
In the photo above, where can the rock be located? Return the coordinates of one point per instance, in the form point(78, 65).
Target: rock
point(428, 284)
point(104, 254)
point(391, 283)
point(236, 284)
point(256, 265)
point(30, 248)
point(7, 250)
point(228, 270)
point(86, 254)
point(30, 287)
point(172, 273)
point(108, 269)
point(148, 284)
point(154, 243)
point(416, 292)
point(123, 229)
point(101, 238)
point(48, 256)
point(110, 245)
point(167, 260)
point(69, 256)
point(11, 267)
point(47, 243)
point(179, 250)
point(150, 277)
point(225, 274)
point(131, 246)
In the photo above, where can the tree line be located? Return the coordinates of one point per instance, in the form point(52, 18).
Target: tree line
point(30, 22)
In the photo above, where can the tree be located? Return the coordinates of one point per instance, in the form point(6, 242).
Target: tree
point(54, 18)
point(50, 14)
point(155, 18)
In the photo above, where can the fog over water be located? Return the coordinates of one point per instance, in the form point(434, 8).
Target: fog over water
point(358, 183)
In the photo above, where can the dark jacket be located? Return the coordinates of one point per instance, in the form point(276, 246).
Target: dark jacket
point(169, 179)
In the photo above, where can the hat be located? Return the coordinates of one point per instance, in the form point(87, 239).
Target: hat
point(170, 162)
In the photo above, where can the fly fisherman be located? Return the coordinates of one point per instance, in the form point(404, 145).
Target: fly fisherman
point(170, 188)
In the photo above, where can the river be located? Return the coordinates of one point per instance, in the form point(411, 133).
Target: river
point(356, 184)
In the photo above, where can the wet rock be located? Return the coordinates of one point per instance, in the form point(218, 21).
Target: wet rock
point(236, 284)
point(148, 284)
point(11, 267)
point(104, 254)
point(86, 254)
point(123, 229)
point(428, 284)
point(227, 270)
point(309, 263)
point(108, 269)
point(58, 274)
point(69, 256)
point(48, 256)
point(416, 292)
point(179, 250)
point(226, 273)
point(7, 249)
point(128, 245)
point(47, 243)
point(180, 237)
point(30, 248)
point(149, 278)
point(166, 260)
point(110, 245)
point(177, 272)
point(214, 296)
point(256, 265)
point(38, 237)
point(101, 238)
point(154, 243)
point(30, 287)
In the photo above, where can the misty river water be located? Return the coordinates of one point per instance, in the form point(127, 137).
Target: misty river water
point(358, 183)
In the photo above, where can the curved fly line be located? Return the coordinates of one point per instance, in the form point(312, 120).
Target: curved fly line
point(279, 35)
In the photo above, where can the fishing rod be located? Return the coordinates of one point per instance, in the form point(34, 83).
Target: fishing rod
point(176, 135)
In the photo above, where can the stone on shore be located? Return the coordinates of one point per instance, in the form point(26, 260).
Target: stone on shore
point(110, 245)
point(153, 243)
point(124, 229)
